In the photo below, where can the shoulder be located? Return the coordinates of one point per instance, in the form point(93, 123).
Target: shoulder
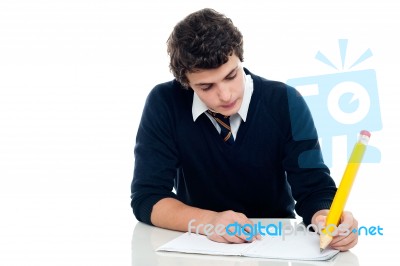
point(169, 94)
point(273, 93)
point(168, 89)
point(284, 104)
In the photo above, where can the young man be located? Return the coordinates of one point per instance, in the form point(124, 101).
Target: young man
point(233, 145)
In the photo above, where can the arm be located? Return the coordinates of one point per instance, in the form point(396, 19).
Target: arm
point(156, 157)
point(172, 214)
point(156, 164)
point(310, 180)
point(312, 186)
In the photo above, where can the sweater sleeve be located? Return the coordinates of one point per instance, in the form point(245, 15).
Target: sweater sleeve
point(309, 178)
point(155, 157)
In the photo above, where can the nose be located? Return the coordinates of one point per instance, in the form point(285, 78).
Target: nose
point(224, 93)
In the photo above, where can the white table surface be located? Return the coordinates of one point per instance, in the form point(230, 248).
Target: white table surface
point(89, 235)
point(146, 239)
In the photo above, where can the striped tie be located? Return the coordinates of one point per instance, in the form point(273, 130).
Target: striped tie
point(223, 122)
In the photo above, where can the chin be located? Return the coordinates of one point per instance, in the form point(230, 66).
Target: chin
point(230, 112)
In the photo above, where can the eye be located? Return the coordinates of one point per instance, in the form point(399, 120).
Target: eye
point(206, 88)
point(231, 77)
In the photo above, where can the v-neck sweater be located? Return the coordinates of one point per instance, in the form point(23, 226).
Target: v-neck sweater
point(273, 168)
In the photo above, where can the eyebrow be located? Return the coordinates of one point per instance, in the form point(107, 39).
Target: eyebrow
point(230, 73)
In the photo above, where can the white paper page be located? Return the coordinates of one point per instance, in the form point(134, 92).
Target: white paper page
point(297, 247)
point(200, 244)
point(294, 247)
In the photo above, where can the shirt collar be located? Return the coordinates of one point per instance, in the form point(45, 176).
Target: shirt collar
point(198, 107)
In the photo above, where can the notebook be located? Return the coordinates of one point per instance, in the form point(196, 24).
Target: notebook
point(294, 247)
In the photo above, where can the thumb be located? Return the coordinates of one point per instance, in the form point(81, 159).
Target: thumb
point(320, 219)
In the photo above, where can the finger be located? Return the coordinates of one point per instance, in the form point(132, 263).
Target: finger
point(250, 229)
point(224, 236)
point(244, 230)
point(343, 246)
point(348, 226)
point(217, 238)
point(236, 239)
point(347, 218)
point(240, 234)
point(344, 240)
point(320, 221)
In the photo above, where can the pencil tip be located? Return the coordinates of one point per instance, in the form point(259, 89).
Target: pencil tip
point(321, 249)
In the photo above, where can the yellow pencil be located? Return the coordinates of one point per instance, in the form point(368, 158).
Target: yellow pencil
point(344, 188)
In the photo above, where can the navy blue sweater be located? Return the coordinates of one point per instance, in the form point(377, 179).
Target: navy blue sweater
point(273, 168)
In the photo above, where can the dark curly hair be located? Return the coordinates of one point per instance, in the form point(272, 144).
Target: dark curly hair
point(203, 40)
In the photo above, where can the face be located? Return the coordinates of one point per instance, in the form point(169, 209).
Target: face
point(221, 89)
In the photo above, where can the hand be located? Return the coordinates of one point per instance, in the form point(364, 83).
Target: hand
point(235, 222)
point(345, 239)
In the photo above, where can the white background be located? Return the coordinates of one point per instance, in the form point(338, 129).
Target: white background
point(74, 76)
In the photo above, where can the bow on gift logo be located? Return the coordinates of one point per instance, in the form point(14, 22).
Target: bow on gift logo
point(341, 104)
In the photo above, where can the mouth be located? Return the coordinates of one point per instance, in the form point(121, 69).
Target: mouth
point(229, 105)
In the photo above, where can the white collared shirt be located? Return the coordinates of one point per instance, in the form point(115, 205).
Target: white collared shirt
point(198, 107)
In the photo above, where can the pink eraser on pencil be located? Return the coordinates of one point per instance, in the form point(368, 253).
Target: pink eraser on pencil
point(365, 133)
